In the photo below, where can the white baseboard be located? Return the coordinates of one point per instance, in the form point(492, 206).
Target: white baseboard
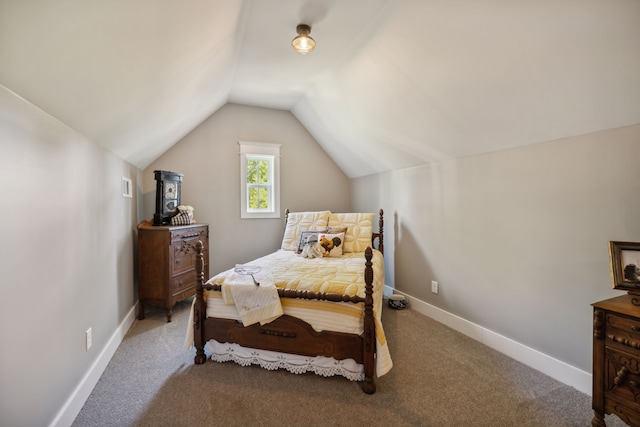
point(76, 401)
point(548, 365)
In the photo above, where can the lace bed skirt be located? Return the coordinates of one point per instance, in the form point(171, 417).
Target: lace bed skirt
point(297, 364)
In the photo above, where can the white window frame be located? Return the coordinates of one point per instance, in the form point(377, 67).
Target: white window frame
point(261, 150)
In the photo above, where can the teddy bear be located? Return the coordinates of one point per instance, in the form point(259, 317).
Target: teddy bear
point(311, 247)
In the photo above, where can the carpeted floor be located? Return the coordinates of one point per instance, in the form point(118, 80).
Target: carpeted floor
point(440, 378)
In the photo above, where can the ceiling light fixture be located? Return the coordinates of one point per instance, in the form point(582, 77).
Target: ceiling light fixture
point(303, 43)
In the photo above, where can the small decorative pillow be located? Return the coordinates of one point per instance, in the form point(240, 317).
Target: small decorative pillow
point(181, 219)
point(307, 237)
point(186, 209)
point(332, 244)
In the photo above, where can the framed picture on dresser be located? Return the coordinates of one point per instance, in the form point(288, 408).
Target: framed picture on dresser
point(624, 261)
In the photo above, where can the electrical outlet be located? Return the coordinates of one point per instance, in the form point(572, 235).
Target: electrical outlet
point(89, 338)
point(434, 286)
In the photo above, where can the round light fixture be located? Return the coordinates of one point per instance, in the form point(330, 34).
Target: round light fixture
point(303, 43)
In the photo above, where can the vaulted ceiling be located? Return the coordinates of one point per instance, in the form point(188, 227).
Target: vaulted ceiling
point(391, 84)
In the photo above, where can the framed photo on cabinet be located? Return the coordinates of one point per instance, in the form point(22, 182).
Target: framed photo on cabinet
point(624, 260)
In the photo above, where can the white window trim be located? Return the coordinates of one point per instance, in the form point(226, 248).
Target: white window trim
point(264, 149)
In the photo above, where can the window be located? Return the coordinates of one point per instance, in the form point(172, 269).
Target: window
point(260, 180)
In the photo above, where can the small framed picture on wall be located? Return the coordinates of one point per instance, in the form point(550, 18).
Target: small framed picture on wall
point(127, 190)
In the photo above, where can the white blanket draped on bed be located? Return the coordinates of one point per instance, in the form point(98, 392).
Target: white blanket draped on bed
point(254, 303)
point(342, 275)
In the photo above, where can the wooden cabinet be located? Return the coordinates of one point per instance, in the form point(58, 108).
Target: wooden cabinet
point(167, 263)
point(616, 359)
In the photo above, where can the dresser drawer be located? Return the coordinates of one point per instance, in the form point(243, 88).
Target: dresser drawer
point(183, 255)
point(182, 282)
point(622, 376)
point(189, 233)
point(623, 331)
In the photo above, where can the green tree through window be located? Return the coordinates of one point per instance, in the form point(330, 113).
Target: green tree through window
point(258, 183)
point(260, 177)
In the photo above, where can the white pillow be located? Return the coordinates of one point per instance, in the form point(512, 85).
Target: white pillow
point(359, 229)
point(299, 221)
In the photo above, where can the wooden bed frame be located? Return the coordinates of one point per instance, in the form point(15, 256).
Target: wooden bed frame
point(288, 334)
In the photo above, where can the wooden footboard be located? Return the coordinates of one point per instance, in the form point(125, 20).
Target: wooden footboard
point(288, 334)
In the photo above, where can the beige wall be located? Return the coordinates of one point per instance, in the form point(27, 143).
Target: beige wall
point(69, 233)
point(517, 239)
point(66, 259)
point(208, 158)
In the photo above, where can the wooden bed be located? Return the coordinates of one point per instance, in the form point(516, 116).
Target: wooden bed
point(288, 334)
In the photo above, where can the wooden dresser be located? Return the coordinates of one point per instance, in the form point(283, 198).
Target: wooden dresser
point(167, 263)
point(616, 359)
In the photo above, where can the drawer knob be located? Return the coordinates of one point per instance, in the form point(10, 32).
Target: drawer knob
point(620, 376)
point(634, 328)
point(633, 383)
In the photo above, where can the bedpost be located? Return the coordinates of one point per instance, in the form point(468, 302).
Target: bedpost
point(369, 343)
point(381, 231)
point(199, 307)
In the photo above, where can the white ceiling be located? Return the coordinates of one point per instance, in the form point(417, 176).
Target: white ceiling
point(391, 84)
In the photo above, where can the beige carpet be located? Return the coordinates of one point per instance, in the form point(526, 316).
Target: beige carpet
point(440, 378)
